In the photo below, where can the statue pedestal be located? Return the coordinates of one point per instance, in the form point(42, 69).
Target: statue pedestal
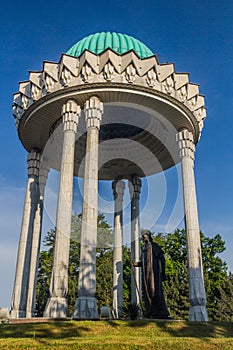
point(85, 308)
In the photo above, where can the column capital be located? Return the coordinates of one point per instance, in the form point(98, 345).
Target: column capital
point(70, 115)
point(186, 145)
point(34, 159)
point(93, 112)
point(43, 175)
point(135, 184)
point(118, 187)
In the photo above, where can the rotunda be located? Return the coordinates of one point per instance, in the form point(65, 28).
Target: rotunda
point(107, 110)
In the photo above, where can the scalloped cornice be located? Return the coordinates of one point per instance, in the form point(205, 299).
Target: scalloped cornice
point(109, 67)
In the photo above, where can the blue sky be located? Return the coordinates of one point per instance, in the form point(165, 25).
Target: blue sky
point(195, 35)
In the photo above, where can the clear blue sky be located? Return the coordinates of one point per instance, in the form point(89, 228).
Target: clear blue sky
point(195, 35)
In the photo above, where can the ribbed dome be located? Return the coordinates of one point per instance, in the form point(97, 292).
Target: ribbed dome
point(118, 42)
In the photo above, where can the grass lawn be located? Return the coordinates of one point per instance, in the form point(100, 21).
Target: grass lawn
point(125, 335)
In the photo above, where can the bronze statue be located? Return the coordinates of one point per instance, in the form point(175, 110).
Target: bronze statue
point(153, 272)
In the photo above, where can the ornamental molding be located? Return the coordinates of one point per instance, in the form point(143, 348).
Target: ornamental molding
point(185, 141)
point(108, 67)
point(134, 184)
point(70, 115)
point(93, 112)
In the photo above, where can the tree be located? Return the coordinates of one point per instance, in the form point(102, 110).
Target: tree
point(44, 273)
point(224, 310)
point(104, 278)
point(176, 288)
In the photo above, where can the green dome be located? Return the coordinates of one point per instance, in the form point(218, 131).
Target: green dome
point(120, 43)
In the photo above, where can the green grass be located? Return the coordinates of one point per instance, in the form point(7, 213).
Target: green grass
point(125, 335)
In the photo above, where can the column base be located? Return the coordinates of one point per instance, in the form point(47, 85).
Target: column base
point(85, 308)
point(198, 313)
point(56, 307)
point(18, 314)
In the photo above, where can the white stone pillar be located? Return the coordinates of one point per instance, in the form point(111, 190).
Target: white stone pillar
point(197, 294)
point(135, 184)
point(85, 306)
point(118, 192)
point(57, 303)
point(20, 291)
point(35, 249)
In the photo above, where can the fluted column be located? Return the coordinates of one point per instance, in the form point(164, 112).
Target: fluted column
point(197, 311)
point(118, 192)
point(85, 306)
point(135, 190)
point(57, 303)
point(20, 291)
point(36, 239)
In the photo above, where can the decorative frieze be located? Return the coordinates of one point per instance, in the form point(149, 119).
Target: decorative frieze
point(110, 67)
point(17, 109)
point(130, 73)
point(86, 73)
point(35, 92)
point(182, 94)
point(168, 85)
point(108, 72)
point(151, 77)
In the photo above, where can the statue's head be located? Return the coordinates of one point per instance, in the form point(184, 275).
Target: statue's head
point(146, 236)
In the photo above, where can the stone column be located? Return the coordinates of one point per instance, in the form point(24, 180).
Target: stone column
point(135, 184)
point(197, 311)
point(20, 291)
point(118, 192)
point(57, 304)
point(35, 249)
point(85, 306)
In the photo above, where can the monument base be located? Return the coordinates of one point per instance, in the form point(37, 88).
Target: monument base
point(18, 314)
point(198, 313)
point(85, 308)
point(56, 307)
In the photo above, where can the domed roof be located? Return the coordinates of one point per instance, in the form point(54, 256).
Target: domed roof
point(120, 43)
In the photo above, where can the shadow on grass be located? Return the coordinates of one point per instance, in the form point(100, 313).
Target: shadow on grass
point(188, 329)
point(117, 330)
point(56, 330)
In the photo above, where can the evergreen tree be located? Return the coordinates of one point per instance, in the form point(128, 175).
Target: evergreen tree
point(176, 287)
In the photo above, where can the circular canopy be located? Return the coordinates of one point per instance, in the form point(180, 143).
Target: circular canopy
point(145, 104)
point(120, 43)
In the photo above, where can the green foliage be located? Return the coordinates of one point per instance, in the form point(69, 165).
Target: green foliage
point(126, 275)
point(104, 280)
point(44, 273)
point(131, 311)
point(176, 287)
point(224, 308)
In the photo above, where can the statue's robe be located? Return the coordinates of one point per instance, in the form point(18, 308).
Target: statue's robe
point(153, 269)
